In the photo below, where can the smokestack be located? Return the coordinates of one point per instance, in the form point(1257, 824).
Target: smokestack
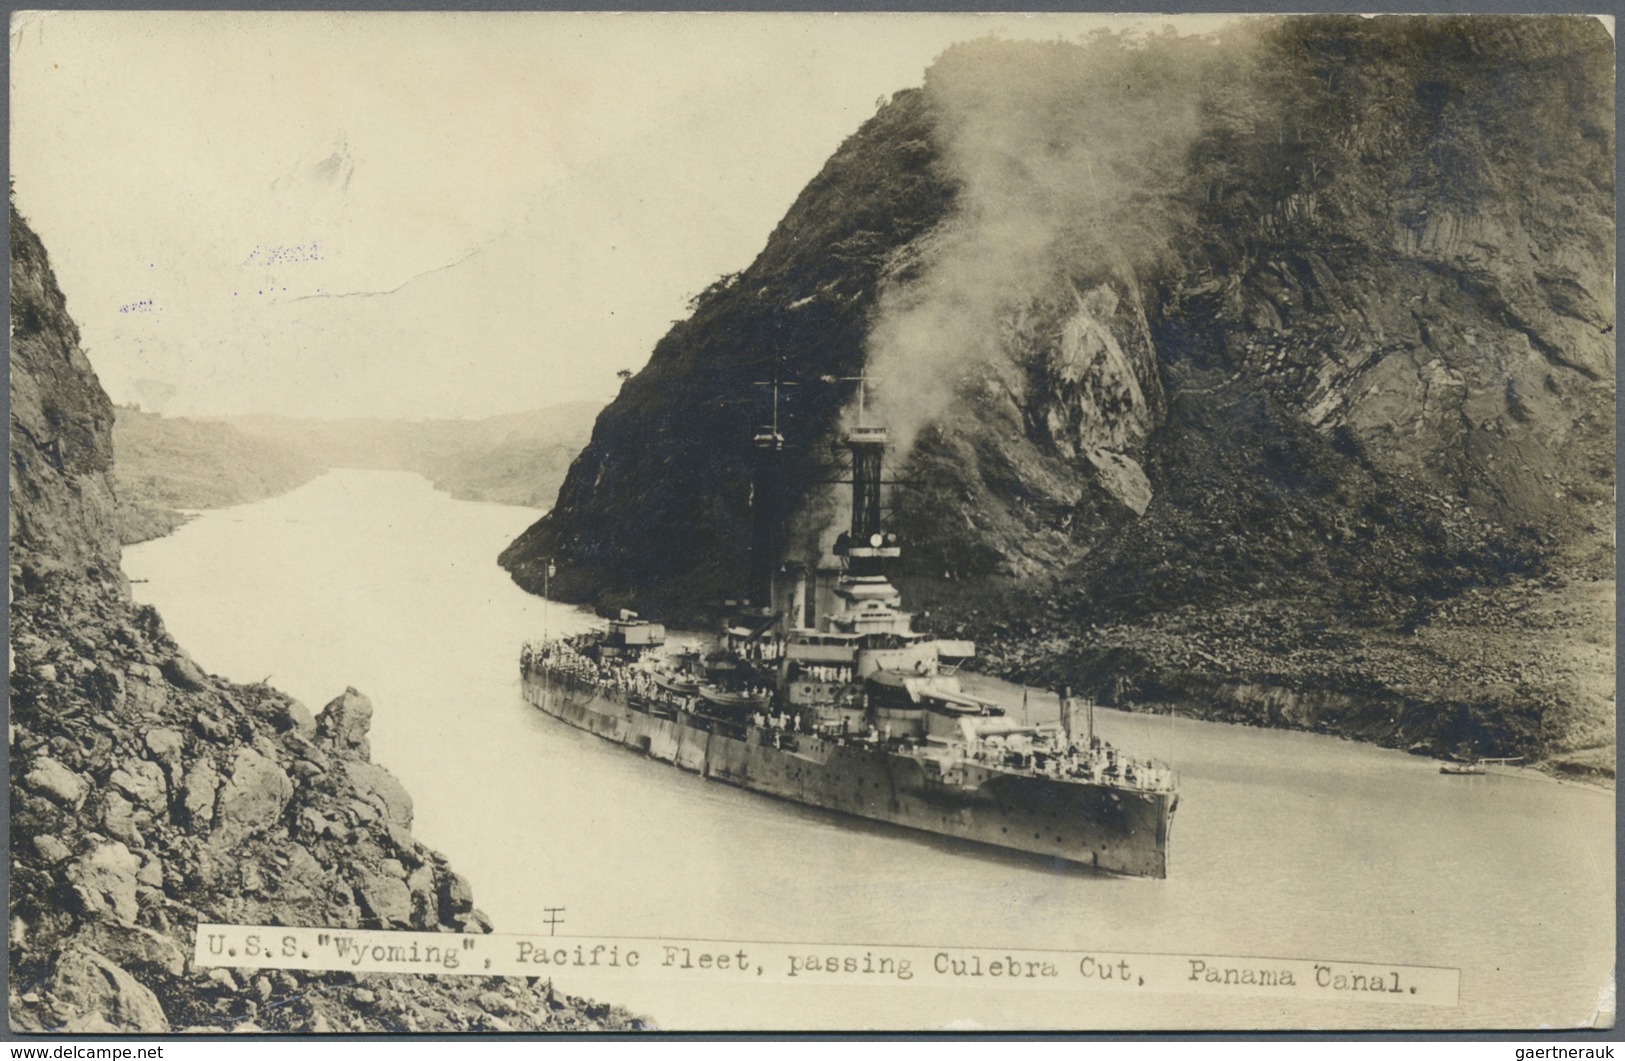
point(870, 547)
point(868, 445)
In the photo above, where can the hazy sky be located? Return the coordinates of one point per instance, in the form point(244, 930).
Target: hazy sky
point(427, 214)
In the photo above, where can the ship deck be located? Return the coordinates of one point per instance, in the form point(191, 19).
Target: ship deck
point(1110, 826)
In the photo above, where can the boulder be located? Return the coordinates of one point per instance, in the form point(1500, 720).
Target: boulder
point(182, 672)
point(165, 745)
point(118, 819)
point(146, 695)
point(496, 1004)
point(299, 747)
point(456, 897)
point(385, 899)
point(288, 714)
point(142, 781)
point(315, 824)
point(252, 799)
point(151, 872)
point(55, 782)
point(92, 993)
point(475, 923)
point(302, 865)
point(304, 770)
point(406, 846)
point(107, 686)
point(211, 728)
point(134, 947)
point(103, 881)
point(197, 795)
point(50, 848)
point(425, 904)
point(379, 789)
point(1121, 478)
point(344, 722)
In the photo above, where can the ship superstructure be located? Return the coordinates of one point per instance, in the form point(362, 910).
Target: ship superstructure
point(831, 697)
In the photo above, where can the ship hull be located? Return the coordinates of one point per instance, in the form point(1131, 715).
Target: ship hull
point(1118, 830)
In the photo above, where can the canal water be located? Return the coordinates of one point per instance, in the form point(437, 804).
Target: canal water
point(1285, 844)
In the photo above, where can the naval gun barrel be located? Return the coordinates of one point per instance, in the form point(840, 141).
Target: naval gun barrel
point(977, 728)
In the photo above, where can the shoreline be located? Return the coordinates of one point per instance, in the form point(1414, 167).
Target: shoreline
point(1044, 702)
point(1354, 732)
point(1530, 771)
point(180, 517)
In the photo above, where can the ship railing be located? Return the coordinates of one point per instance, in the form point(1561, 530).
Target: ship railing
point(610, 673)
point(1140, 775)
point(768, 737)
point(1096, 766)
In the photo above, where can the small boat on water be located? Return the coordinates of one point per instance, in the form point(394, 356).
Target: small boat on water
point(1474, 766)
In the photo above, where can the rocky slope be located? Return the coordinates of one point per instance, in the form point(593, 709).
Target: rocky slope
point(147, 796)
point(1270, 375)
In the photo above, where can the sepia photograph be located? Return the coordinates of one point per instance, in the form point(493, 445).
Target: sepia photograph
point(526, 523)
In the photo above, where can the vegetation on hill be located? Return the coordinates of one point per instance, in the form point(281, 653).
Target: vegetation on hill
point(1269, 374)
point(164, 465)
point(512, 459)
point(170, 464)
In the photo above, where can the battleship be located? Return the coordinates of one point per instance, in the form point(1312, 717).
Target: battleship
point(824, 693)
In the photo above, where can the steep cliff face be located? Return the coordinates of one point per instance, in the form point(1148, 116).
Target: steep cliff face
point(1223, 342)
point(655, 503)
point(61, 427)
point(1436, 277)
point(147, 796)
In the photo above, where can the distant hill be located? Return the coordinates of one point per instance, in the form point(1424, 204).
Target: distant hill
point(170, 464)
point(512, 459)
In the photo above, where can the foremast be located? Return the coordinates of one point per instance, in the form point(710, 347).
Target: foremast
point(833, 708)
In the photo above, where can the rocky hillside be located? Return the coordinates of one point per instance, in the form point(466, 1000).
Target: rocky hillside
point(163, 465)
point(148, 796)
point(1269, 374)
